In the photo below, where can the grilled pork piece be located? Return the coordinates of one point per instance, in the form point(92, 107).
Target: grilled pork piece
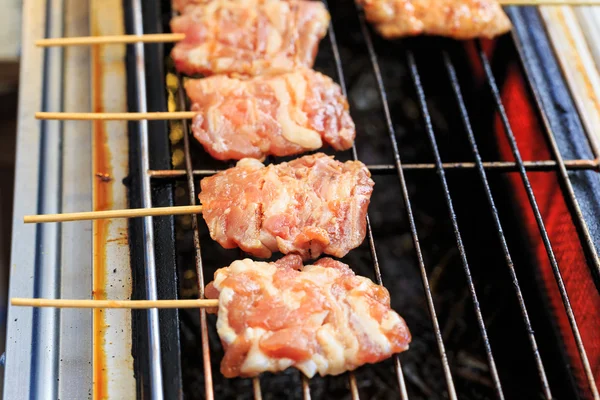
point(182, 5)
point(317, 318)
point(307, 206)
point(249, 37)
point(279, 115)
point(460, 19)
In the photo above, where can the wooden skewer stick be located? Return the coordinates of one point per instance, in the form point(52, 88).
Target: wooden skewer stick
point(549, 2)
point(129, 213)
point(126, 116)
point(133, 304)
point(90, 40)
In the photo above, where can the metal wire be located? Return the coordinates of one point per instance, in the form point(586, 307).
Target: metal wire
point(459, 243)
point(383, 169)
point(156, 384)
point(488, 192)
point(305, 388)
point(256, 388)
point(409, 212)
point(208, 384)
point(538, 217)
point(353, 386)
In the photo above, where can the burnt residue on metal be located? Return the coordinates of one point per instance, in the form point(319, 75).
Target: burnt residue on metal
point(102, 190)
point(422, 368)
point(104, 177)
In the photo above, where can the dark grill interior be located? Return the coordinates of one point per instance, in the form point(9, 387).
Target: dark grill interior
point(434, 238)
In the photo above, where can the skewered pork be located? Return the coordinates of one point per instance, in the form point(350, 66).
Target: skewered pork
point(318, 318)
point(182, 5)
point(460, 19)
point(307, 206)
point(280, 115)
point(249, 37)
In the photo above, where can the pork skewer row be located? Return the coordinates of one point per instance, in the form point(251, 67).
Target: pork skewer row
point(249, 37)
point(459, 19)
point(176, 37)
point(280, 115)
point(256, 37)
point(308, 206)
point(292, 112)
point(318, 318)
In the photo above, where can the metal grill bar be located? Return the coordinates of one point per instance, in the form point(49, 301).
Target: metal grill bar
point(256, 388)
point(459, 243)
point(305, 388)
point(384, 169)
point(488, 192)
point(208, 384)
point(374, 258)
point(155, 366)
point(540, 222)
point(353, 386)
point(408, 206)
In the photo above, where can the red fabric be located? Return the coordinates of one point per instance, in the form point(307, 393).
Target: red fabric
point(580, 287)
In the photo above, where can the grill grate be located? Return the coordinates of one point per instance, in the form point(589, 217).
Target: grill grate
point(540, 222)
point(483, 170)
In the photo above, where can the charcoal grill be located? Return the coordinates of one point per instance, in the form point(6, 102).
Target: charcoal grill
point(463, 202)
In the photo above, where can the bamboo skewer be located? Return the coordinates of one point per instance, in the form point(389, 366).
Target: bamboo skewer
point(131, 304)
point(129, 213)
point(91, 40)
point(124, 116)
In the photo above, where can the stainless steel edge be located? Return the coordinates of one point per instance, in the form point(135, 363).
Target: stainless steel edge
point(46, 333)
point(156, 386)
point(29, 352)
point(17, 374)
point(75, 356)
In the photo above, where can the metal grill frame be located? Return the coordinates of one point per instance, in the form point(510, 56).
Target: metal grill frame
point(483, 169)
